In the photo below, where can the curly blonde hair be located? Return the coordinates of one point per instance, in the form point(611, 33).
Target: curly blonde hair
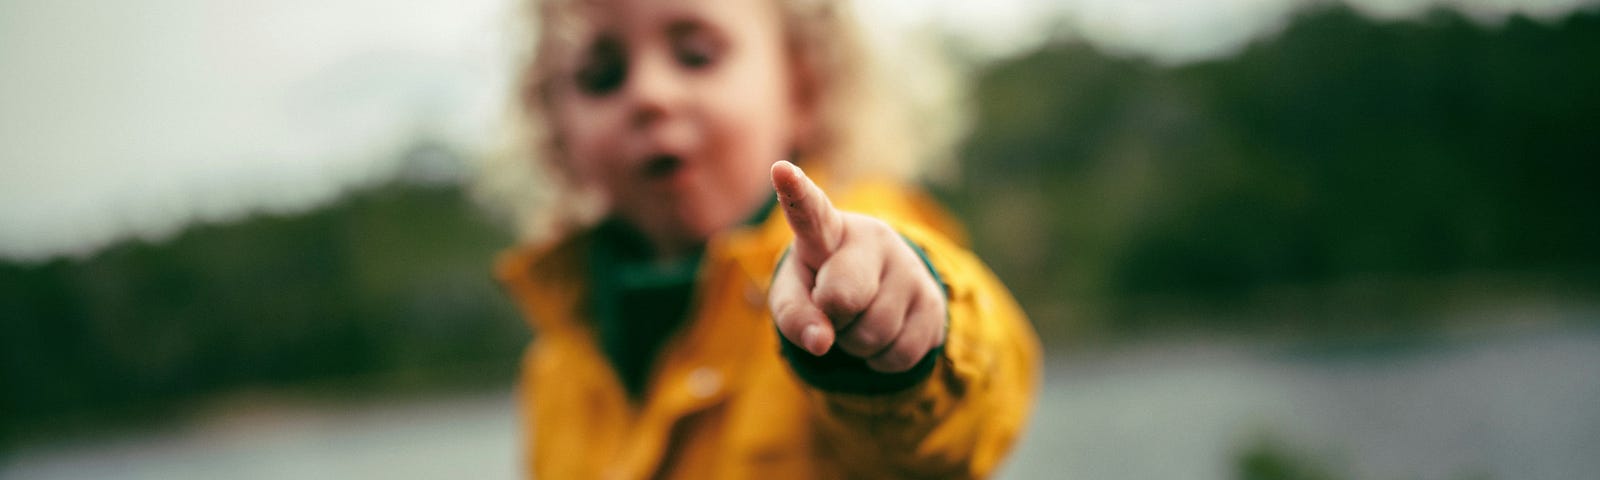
point(883, 109)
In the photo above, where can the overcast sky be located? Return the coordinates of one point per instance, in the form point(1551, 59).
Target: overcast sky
point(139, 117)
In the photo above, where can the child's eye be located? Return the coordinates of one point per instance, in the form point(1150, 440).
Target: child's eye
point(694, 46)
point(604, 68)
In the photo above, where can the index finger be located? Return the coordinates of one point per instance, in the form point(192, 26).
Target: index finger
point(817, 227)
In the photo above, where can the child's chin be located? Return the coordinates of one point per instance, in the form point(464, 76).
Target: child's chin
point(697, 230)
point(687, 221)
point(681, 230)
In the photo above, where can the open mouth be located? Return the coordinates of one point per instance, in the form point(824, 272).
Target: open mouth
point(662, 166)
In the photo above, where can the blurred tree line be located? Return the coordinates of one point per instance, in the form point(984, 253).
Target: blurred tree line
point(1344, 175)
point(388, 289)
point(1345, 167)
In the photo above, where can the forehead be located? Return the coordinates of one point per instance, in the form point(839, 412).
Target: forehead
point(585, 18)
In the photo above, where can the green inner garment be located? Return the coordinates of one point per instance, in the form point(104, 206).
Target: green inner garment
point(638, 301)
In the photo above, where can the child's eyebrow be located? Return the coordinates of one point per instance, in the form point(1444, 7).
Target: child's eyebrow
point(695, 30)
point(684, 27)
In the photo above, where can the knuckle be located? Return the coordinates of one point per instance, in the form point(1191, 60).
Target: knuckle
point(867, 339)
point(882, 228)
point(856, 298)
point(877, 228)
point(787, 312)
point(898, 359)
point(930, 302)
point(843, 296)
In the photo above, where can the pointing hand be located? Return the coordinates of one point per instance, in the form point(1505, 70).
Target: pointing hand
point(851, 281)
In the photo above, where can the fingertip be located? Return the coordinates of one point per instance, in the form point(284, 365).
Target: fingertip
point(816, 339)
point(781, 171)
point(788, 180)
point(784, 165)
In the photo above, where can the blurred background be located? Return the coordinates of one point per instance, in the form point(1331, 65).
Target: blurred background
point(1262, 239)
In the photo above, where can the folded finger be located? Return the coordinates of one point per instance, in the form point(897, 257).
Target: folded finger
point(797, 318)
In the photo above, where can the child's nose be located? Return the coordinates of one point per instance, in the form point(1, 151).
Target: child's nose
point(655, 89)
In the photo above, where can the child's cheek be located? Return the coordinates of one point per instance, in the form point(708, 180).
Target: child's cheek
point(582, 131)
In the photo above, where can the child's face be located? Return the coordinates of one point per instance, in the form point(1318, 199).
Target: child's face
point(676, 109)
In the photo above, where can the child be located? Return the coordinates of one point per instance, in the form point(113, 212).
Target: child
point(685, 331)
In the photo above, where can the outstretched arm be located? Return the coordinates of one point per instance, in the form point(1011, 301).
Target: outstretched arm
point(921, 363)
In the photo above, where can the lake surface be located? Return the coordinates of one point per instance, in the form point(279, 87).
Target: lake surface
point(1510, 402)
point(1507, 403)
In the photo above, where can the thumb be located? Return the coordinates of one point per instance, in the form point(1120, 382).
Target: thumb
point(817, 227)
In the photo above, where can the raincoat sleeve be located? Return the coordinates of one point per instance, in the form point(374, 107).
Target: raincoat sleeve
point(958, 412)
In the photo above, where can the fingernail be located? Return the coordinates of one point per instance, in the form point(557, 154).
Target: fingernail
point(811, 337)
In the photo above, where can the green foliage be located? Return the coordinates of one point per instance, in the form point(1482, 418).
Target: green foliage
point(391, 283)
point(1341, 151)
point(1266, 460)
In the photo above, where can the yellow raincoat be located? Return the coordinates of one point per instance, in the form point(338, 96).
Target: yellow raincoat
point(722, 403)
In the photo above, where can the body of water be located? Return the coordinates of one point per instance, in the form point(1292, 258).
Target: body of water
point(1508, 402)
